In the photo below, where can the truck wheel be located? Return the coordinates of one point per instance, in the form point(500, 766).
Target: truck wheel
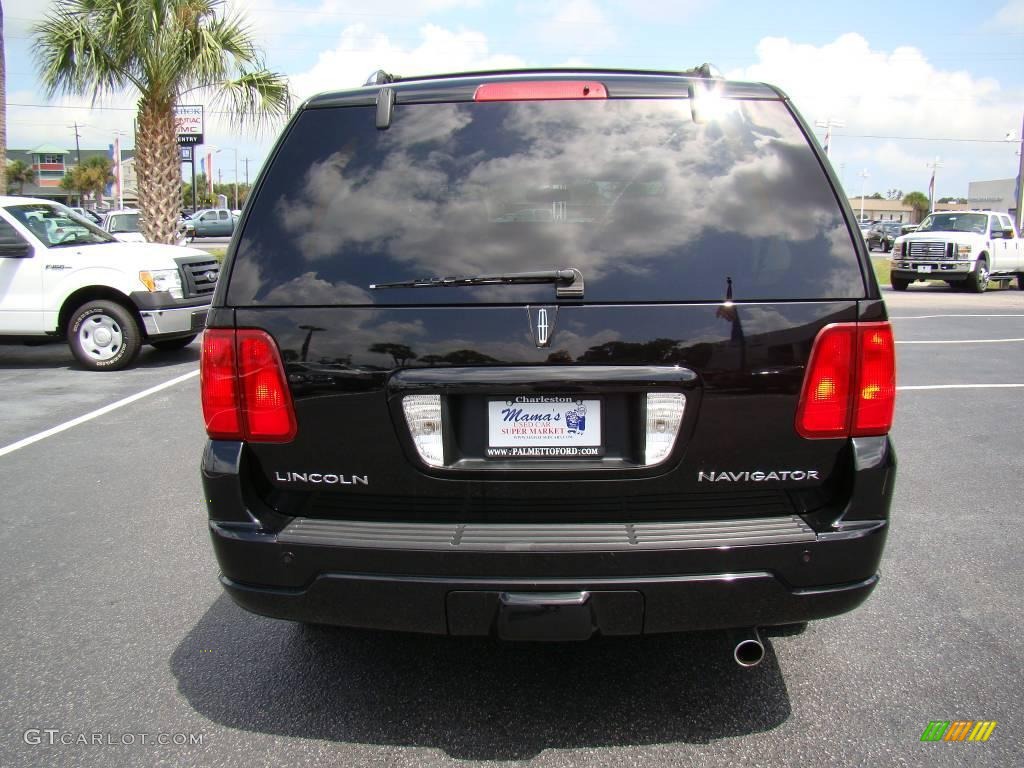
point(1020, 282)
point(977, 281)
point(900, 285)
point(170, 345)
point(885, 246)
point(104, 336)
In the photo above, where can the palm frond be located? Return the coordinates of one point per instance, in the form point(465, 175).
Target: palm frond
point(258, 99)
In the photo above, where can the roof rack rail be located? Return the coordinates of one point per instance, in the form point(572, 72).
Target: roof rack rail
point(380, 77)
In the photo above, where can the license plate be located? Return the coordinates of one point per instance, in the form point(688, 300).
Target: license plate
point(924, 268)
point(543, 426)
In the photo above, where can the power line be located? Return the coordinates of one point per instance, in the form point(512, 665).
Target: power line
point(918, 138)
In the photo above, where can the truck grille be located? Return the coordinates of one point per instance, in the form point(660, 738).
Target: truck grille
point(929, 250)
point(200, 276)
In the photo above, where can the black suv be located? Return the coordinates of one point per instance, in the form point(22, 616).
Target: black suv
point(544, 354)
point(883, 235)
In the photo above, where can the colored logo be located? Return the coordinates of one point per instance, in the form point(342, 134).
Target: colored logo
point(958, 730)
point(576, 420)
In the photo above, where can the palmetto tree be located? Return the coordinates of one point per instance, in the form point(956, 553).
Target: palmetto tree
point(19, 174)
point(161, 50)
point(90, 178)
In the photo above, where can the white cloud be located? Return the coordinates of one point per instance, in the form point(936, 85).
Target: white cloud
point(360, 52)
point(273, 22)
point(1011, 16)
point(883, 94)
point(577, 26)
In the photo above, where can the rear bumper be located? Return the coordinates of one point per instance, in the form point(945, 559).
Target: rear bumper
point(549, 582)
point(414, 581)
point(605, 606)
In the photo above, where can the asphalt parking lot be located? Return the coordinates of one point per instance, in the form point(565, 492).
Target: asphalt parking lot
point(114, 622)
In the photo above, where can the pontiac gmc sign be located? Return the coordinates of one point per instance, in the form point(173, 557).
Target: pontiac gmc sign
point(188, 122)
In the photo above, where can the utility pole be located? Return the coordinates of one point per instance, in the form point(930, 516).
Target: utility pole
point(246, 161)
point(931, 185)
point(864, 176)
point(828, 125)
point(78, 147)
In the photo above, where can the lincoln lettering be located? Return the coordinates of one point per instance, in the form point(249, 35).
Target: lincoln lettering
point(757, 476)
point(318, 478)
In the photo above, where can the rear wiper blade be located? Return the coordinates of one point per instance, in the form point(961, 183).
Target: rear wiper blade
point(568, 282)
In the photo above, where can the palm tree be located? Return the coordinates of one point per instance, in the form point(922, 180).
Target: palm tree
point(919, 202)
point(90, 178)
point(161, 50)
point(19, 174)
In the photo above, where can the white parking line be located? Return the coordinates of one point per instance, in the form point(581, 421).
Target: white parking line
point(961, 386)
point(95, 414)
point(929, 317)
point(963, 341)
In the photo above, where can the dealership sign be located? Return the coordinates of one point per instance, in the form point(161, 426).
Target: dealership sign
point(188, 124)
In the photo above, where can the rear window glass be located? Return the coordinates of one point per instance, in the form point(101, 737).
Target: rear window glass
point(647, 204)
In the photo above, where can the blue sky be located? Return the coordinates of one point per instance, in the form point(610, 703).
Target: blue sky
point(912, 81)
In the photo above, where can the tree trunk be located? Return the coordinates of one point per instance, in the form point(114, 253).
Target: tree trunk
point(158, 168)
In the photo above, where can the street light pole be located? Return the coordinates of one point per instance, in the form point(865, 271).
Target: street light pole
point(828, 125)
point(932, 185)
point(120, 173)
point(234, 151)
point(1020, 186)
point(864, 175)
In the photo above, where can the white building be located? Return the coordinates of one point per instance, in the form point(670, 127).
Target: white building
point(996, 195)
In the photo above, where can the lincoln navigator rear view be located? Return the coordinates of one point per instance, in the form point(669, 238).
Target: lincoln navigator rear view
point(545, 355)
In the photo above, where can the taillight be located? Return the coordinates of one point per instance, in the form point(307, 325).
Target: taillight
point(244, 390)
point(541, 90)
point(850, 385)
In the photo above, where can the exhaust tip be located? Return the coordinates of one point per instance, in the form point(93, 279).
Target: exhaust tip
point(749, 650)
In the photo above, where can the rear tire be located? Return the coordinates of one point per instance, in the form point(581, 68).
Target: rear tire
point(103, 336)
point(977, 281)
point(900, 285)
point(1020, 282)
point(170, 345)
point(885, 246)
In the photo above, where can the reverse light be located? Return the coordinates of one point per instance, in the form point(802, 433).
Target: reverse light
point(850, 384)
point(423, 415)
point(541, 90)
point(244, 391)
point(875, 394)
point(664, 415)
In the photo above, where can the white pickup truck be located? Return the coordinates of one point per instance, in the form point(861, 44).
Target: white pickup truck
point(63, 277)
point(965, 248)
